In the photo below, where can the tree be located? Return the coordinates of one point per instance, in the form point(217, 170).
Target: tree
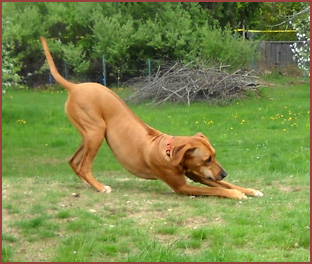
point(234, 14)
point(75, 56)
point(301, 22)
point(80, 33)
point(10, 68)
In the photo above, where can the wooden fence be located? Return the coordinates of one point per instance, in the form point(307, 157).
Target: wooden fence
point(276, 54)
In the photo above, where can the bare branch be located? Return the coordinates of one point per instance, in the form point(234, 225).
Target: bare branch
point(181, 83)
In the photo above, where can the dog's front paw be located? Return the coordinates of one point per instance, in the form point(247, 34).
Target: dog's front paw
point(107, 189)
point(235, 194)
point(253, 192)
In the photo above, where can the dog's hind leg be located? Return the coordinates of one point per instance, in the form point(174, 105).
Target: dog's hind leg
point(92, 142)
point(75, 160)
point(81, 161)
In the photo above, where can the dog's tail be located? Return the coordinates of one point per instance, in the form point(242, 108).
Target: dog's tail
point(62, 81)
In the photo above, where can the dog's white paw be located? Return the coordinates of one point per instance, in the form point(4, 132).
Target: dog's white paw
point(258, 193)
point(255, 193)
point(107, 189)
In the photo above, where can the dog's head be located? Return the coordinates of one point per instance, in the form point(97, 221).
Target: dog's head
point(198, 159)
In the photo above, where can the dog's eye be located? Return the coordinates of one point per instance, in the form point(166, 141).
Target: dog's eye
point(208, 160)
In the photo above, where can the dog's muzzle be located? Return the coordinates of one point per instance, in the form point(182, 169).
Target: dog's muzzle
point(223, 174)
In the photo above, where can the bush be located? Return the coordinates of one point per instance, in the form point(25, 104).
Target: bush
point(10, 68)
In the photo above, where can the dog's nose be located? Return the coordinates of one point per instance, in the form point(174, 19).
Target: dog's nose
point(223, 174)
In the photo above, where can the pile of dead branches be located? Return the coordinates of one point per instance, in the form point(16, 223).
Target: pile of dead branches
point(187, 84)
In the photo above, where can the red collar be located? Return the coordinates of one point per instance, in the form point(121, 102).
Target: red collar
point(169, 146)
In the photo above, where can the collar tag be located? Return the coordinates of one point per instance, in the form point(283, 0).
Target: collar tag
point(169, 147)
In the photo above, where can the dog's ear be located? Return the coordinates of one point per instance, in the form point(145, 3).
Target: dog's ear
point(201, 135)
point(180, 152)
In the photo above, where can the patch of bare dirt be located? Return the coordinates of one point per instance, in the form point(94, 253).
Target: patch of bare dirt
point(199, 221)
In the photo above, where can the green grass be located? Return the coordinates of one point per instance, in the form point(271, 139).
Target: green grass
point(263, 143)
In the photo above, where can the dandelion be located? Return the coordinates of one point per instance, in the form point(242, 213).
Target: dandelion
point(21, 121)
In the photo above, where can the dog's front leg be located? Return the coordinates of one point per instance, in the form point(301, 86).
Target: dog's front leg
point(179, 184)
point(227, 185)
point(224, 185)
point(210, 191)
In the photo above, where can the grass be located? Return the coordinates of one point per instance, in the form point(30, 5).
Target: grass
point(263, 143)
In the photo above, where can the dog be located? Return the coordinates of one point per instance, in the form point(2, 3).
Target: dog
point(99, 113)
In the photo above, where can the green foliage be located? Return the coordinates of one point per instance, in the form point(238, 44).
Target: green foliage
point(224, 48)
point(76, 57)
point(80, 33)
point(235, 14)
point(10, 67)
point(114, 37)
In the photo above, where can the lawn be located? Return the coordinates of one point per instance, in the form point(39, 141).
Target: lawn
point(263, 143)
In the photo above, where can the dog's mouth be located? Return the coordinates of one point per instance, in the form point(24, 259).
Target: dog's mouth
point(198, 178)
point(191, 175)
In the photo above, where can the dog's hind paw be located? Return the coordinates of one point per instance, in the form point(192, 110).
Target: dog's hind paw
point(107, 189)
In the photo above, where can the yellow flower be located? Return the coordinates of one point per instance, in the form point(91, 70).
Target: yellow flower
point(21, 121)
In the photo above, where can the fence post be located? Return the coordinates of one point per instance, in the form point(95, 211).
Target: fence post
point(104, 69)
point(50, 78)
point(149, 69)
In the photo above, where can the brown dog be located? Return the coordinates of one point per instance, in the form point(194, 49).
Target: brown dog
point(99, 113)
